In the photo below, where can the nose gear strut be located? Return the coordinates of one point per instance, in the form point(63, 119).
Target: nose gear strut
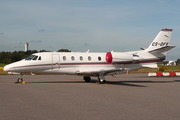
point(20, 80)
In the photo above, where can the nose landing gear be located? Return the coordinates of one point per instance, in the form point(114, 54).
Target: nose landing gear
point(20, 80)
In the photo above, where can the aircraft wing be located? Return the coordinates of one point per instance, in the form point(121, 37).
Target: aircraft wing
point(103, 71)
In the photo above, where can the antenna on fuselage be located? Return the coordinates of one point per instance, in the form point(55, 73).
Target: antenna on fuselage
point(87, 51)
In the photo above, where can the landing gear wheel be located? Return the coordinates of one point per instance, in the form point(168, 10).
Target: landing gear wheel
point(19, 80)
point(87, 79)
point(102, 81)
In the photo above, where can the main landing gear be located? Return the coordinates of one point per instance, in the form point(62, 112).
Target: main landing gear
point(101, 79)
point(87, 79)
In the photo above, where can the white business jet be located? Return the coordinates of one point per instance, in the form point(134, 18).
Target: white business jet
point(89, 64)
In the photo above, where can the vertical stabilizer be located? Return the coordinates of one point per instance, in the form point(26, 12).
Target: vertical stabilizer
point(161, 40)
point(157, 50)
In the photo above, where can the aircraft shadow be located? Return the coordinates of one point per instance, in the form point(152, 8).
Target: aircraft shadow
point(132, 83)
point(123, 83)
point(59, 82)
point(118, 83)
point(177, 80)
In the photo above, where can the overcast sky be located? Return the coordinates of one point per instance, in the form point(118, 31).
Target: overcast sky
point(79, 25)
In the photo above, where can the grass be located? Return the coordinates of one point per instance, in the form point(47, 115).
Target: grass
point(2, 65)
point(1, 69)
point(145, 70)
point(2, 72)
point(149, 70)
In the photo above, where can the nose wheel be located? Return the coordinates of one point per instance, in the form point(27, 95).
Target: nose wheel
point(19, 80)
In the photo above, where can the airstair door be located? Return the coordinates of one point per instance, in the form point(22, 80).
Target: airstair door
point(55, 62)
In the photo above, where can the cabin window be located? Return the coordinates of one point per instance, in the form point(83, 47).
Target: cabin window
point(89, 58)
point(29, 57)
point(72, 58)
point(35, 58)
point(39, 58)
point(99, 58)
point(64, 57)
point(81, 58)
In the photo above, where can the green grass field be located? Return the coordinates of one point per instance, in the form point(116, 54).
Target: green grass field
point(1, 69)
point(2, 65)
point(149, 70)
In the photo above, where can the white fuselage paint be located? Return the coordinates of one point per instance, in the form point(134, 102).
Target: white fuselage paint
point(72, 62)
point(95, 64)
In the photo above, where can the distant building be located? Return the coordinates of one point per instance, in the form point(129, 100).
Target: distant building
point(172, 63)
point(26, 46)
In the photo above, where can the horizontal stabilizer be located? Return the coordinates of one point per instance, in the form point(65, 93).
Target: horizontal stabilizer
point(161, 50)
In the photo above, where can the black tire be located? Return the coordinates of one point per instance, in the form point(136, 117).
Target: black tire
point(102, 82)
point(19, 80)
point(87, 79)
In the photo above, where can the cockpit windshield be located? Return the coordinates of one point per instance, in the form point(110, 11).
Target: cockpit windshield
point(33, 57)
point(29, 57)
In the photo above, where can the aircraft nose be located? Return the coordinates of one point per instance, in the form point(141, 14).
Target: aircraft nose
point(7, 68)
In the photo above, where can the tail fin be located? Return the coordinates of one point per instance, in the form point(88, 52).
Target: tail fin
point(160, 44)
point(158, 48)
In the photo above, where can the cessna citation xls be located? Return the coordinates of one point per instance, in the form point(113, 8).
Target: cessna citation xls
point(89, 64)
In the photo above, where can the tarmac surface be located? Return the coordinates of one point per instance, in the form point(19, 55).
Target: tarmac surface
point(63, 97)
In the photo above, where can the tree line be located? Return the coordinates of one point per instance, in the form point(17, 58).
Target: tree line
point(9, 57)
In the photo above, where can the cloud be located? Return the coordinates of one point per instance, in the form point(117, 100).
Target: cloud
point(86, 44)
point(41, 30)
point(1, 33)
point(36, 41)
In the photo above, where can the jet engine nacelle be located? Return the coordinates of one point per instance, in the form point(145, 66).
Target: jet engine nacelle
point(117, 57)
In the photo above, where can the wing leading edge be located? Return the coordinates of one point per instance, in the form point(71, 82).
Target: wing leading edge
point(103, 71)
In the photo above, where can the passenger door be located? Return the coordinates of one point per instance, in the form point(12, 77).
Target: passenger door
point(55, 62)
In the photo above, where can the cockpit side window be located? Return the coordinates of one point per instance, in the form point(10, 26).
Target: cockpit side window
point(35, 58)
point(29, 57)
point(39, 58)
